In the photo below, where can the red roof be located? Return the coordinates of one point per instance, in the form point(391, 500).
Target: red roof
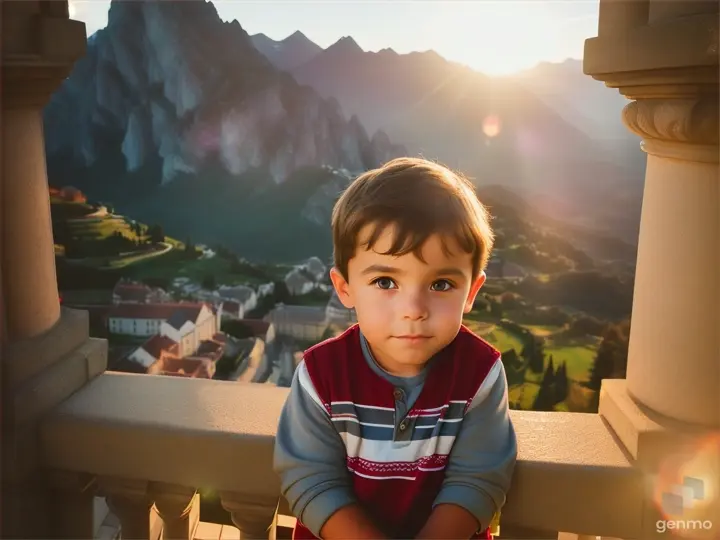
point(231, 307)
point(132, 291)
point(152, 311)
point(157, 344)
point(188, 366)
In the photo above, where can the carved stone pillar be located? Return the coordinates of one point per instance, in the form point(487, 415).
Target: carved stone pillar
point(256, 519)
point(670, 71)
point(130, 501)
point(664, 57)
point(179, 508)
point(34, 63)
point(46, 353)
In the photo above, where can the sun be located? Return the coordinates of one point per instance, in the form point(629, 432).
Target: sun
point(492, 37)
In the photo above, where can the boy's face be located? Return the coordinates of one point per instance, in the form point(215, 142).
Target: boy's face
point(408, 309)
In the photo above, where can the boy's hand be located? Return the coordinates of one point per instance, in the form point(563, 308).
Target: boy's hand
point(351, 523)
point(449, 522)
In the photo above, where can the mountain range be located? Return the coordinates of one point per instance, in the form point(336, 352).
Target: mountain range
point(185, 120)
point(548, 146)
point(171, 86)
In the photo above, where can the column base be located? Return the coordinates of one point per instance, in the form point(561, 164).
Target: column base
point(38, 374)
point(668, 452)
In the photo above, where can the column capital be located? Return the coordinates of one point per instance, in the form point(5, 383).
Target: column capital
point(676, 128)
point(38, 52)
point(674, 110)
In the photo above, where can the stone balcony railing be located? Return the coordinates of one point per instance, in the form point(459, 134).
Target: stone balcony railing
point(144, 440)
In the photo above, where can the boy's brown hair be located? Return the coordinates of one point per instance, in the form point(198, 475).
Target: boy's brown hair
point(420, 198)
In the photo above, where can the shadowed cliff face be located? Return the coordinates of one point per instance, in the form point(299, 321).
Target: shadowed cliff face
point(170, 87)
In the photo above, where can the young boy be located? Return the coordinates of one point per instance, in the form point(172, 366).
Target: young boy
point(399, 427)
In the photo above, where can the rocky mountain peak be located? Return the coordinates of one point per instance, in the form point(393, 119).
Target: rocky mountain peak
point(345, 45)
point(170, 85)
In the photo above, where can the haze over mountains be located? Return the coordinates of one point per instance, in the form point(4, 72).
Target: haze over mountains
point(560, 141)
point(182, 119)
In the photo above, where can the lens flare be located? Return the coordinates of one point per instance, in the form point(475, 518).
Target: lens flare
point(687, 491)
point(491, 126)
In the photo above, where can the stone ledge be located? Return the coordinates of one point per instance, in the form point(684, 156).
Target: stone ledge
point(48, 389)
point(572, 474)
point(648, 436)
point(70, 332)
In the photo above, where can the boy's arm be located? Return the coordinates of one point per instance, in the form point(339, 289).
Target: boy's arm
point(481, 464)
point(309, 457)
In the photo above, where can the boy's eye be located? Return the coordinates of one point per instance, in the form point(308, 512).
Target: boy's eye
point(384, 282)
point(445, 285)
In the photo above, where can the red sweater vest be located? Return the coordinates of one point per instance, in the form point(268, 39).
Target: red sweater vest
point(396, 482)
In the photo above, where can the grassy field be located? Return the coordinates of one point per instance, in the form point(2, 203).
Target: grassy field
point(578, 358)
point(95, 228)
point(498, 337)
point(524, 394)
point(578, 354)
point(175, 264)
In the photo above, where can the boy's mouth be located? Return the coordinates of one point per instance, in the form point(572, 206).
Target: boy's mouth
point(413, 337)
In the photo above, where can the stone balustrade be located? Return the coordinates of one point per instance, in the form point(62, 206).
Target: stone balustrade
point(157, 440)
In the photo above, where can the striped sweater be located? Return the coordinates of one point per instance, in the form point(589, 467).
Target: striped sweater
point(397, 447)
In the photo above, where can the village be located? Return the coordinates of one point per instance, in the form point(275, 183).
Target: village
point(191, 331)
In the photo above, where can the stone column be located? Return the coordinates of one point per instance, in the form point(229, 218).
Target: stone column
point(46, 353)
point(668, 66)
point(674, 356)
point(663, 56)
point(35, 59)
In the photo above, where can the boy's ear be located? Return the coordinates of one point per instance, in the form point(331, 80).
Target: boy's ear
point(474, 290)
point(341, 288)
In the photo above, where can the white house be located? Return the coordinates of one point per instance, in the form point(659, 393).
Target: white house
point(139, 319)
point(232, 309)
point(242, 294)
point(185, 323)
point(298, 282)
point(316, 268)
point(153, 350)
point(337, 313)
point(189, 325)
point(130, 292)
point(266, 289)
point(300, 322)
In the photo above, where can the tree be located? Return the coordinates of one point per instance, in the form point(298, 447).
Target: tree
point(209, 282)
point(237, 329)
point(495, 308)
point(534, 353)
point(561, 383)
point(157, 235)
point(611, 358)
point(585, 326)
point(545, 399)
point(514, 367)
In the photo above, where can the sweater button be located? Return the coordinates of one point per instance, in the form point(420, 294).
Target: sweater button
point(398, 394)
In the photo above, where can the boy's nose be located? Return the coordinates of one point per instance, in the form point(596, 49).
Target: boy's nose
point(415, 308)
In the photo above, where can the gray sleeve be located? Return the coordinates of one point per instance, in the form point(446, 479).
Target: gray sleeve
point(310, 457)
point(483, 457)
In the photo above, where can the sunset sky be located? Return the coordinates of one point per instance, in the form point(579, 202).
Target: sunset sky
point(493, 36)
